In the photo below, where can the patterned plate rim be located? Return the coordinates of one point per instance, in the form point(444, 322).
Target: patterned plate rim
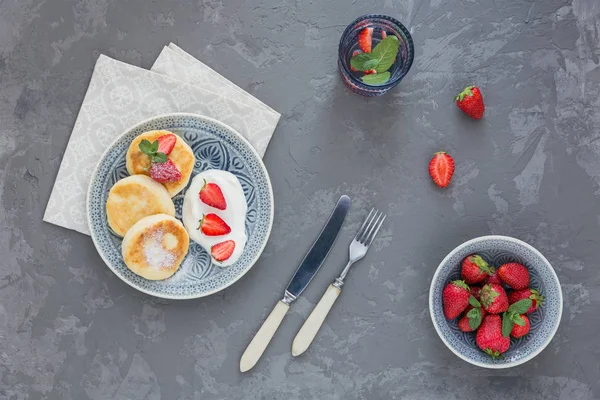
point(260, 163)
point(438, 328)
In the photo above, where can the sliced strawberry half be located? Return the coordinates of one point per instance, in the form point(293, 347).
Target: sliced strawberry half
point(212, 195)
point(222, 251)
point(166, 143)
point(369, 71)
point(364, 39)
point(165, 172)
point(441, 169)
point(213, 225)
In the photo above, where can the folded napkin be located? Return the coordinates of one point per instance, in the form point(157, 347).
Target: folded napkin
point(120, 95)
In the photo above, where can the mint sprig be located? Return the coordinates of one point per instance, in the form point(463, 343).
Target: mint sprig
point(151, 150)
point(380, 59)
point(513, 316)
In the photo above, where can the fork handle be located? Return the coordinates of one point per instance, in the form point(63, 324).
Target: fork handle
point(314, 321)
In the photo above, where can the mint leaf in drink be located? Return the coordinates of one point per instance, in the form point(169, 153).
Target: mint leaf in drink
point(362, 62)
point(385, 53)
point(376, 79)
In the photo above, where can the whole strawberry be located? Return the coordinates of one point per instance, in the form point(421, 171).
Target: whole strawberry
point(489, 336)
point(455, 298)
point(536, 298)
point(476, 292)
point(520, 331)
point(514, 316)
point(472, 316)
point(470, 101)
point(493, 298)
point(514, 275)
point(493, 278)
point(475, 269)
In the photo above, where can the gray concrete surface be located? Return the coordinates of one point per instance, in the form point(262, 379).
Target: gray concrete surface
point(70, 329)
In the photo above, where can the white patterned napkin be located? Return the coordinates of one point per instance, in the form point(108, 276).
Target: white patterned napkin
point(120, 95)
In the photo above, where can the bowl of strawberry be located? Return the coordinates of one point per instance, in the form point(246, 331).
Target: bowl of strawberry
point(495, 301)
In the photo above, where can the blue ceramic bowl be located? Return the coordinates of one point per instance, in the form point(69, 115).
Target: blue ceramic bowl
point(498, 250)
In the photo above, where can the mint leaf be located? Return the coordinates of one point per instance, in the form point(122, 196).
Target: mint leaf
point(146, 147)
point(376, 79)
point(474, 317)
point(474, 302)
point(154, 146)
point(359, 62)
point(507, 325)
point(520, 307)
point(371, 64)
point(518, 320)
point(385, 53)
point(159, 158)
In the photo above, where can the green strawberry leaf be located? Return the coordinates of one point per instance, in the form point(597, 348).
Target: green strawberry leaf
point(518, 320)
point(159, 158)
point(474, 302)
point(359, 61)
point(376, 79)
point(146, 147)
point(520, 307)
point(385, 53)
point(507, 324)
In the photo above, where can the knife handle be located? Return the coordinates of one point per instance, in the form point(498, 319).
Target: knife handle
point(264, 335)
point(314, 321)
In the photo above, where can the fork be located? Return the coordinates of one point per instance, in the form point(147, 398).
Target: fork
point(358, 248)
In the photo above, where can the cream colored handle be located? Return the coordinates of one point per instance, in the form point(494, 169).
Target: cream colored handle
point(262, 338)
point(314, 321)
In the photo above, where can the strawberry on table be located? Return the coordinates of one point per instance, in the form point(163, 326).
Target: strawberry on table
point(364, 39)
point(493, 278)
point(475, 269)
point(536, 298)
point(514, 275)
point(489, 336)
point(494, 299)
point(212, 195)
point(520, 331)
point(166, 143)
point(441, 168)
point(213, 225)
point(165, 172)
point(222, 251)
point(455, 298)
point(470, 101)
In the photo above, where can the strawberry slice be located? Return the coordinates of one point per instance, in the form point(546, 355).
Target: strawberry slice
point(213, 225)
point(166, 143)
point(441, 169)
point(369, 71)
point(165, 172)
point(364, 39)
point(222, 251)
point(212, 195)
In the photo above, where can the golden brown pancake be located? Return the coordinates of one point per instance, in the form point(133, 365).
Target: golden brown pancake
point(182, 156)
point(134, 198)
point(155, 246)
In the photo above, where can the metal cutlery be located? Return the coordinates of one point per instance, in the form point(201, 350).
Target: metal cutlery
point(358, 249)
point(304, 274)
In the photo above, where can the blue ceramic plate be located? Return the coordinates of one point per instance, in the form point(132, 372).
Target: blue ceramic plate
point(216, 146)
point(498, 250)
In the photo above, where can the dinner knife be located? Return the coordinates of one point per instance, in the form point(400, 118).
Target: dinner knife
point(304, 274)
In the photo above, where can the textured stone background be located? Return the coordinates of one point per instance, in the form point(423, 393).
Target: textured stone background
point(70, 329)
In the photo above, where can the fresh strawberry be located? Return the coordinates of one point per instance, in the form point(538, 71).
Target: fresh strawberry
point(489, 336)
point(520, 331)
point(514, 275)
point(514, 317)
point(369, 71)
point(212, 195)
point(213, 225)
point(165, 172)
point(474, 269)
point(476, 292)
point(493, 298)
point(472, 317)
point(222, 251)
point(470, 101)
point(536, 298)
point(493, 278)
point(355, 53)
point(364, 39)
point(455, 298)
point(166, 143)
point(441, 168)
point(383, 34)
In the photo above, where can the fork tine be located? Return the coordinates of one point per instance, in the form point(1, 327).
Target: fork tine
point(371, 227)
point(364, 235)
point(362, 227)
point(372, 236)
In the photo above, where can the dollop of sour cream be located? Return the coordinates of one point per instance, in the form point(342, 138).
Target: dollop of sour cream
point(234, 215)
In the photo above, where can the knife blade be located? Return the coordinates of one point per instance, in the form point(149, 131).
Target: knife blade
point(320, 249)
point(304, 274)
